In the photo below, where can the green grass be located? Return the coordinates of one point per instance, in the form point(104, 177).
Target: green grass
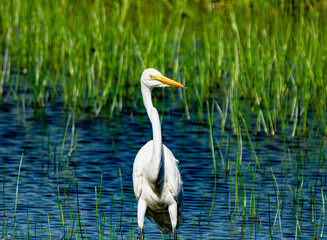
point(258, 65)
point(89, 55)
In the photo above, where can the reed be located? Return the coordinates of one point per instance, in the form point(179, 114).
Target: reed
point(210, 116)
point(17, 186)
point(268, 56)
point(258, 65)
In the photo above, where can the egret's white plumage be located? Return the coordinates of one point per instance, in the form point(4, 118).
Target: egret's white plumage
point(157, 182)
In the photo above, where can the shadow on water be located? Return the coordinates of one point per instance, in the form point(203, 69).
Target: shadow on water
point(76, 174)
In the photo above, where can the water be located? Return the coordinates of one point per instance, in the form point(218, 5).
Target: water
point(290, 167)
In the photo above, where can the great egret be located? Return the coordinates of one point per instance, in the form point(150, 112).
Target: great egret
point(157, 182)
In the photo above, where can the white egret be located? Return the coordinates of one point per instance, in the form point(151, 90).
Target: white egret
point(157, 182)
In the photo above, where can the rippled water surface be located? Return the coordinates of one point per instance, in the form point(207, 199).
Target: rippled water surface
point(285, 200)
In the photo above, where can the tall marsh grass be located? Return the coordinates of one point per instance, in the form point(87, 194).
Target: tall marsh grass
point(258, 65)
point(269, 55)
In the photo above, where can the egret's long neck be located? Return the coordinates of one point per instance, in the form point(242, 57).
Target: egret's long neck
point(156, 130)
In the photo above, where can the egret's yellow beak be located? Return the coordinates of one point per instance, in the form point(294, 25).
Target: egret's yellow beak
point(167, 81)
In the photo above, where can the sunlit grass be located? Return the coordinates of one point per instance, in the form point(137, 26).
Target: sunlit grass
point(258, 65)
point(264, 57)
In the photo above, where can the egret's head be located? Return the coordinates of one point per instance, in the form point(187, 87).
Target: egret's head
point(153, 78)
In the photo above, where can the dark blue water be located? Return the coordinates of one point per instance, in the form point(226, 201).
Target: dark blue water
point(285, 200)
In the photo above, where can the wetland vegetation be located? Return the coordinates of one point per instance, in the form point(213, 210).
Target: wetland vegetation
point(250, 130)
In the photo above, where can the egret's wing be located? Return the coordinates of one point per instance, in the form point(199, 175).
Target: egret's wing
point(137, 182)
point(175, 186)
point(172, 174)
point(138, 168)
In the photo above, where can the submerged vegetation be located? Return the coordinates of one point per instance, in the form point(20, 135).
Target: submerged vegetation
point(266, 58)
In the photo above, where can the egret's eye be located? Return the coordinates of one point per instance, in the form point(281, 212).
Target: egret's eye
point(152, 77)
